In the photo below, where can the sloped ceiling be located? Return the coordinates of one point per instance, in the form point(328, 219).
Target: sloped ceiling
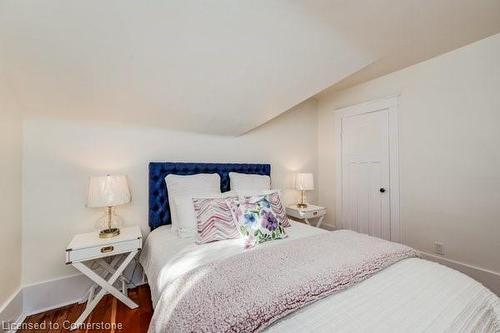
point(400, 33)
point(222, 67)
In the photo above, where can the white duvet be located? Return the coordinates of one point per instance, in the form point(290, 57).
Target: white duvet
point(413, 295)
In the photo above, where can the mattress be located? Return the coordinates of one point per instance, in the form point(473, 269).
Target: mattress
point(413, 295)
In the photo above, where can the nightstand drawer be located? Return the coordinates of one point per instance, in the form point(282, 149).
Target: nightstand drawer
point(307, 213)
point(313, 213)
point(104, 250)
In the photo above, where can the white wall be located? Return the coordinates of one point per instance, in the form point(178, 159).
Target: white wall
point(449, 139)
point(59, 156)
point(10, 195)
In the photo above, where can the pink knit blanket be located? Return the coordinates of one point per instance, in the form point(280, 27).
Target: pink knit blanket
point(249, 291)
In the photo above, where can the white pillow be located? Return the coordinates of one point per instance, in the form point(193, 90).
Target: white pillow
point(246, 182)
point(192, 185)
point(186, 215)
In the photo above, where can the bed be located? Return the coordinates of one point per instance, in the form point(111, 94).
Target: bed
point(410, 295)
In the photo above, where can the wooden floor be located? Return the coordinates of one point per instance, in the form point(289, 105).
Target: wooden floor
point(108, 311)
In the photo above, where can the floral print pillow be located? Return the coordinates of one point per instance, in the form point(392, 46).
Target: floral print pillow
point(255, 219)
point(274, 199)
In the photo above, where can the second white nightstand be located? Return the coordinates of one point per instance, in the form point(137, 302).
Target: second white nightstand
point(310, 212)
point(90, 248)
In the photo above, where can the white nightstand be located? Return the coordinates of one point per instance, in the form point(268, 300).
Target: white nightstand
point(89, 253)
point(310, 212)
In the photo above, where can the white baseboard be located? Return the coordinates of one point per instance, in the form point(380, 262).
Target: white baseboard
point(12, 310)
point(488, 278)
point(55, 293)
point(327, 226)
point(47, 295)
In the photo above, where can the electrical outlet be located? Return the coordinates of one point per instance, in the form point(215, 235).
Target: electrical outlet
point(439, 248)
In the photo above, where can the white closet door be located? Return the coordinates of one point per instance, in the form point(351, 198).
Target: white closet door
point(366, 173)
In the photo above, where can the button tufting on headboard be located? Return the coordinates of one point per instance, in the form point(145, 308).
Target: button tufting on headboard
point(159, 208)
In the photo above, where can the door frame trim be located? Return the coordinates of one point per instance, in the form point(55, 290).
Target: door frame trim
point(391, 105)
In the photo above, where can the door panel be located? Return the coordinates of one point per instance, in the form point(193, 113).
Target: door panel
point(365, 170)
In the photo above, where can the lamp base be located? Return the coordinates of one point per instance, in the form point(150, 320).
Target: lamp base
point(302, 205)
point(109, 233)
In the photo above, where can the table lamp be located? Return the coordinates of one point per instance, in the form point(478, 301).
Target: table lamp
point(109, 192)
point(304, 182)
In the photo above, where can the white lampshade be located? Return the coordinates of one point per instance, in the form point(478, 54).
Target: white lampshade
point(304, 182)
point(108, 191)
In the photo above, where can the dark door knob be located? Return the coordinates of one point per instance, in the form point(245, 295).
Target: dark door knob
point(382, 190)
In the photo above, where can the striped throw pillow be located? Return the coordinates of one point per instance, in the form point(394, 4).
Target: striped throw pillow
point(214, 220)
point(278, 209)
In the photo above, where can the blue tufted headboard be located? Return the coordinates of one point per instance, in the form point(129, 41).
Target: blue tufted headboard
point(159, 208)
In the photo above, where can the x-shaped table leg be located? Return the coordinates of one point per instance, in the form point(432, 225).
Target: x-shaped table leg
point(106, 286)
point(109, 270)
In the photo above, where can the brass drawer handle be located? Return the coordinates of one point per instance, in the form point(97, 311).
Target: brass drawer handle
point(107, 249)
